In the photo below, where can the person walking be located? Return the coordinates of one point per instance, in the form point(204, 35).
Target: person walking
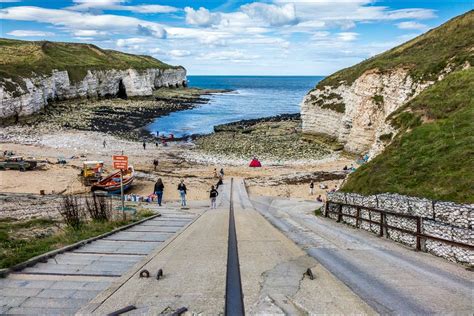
point(222, 173)
point(144, 145)
point(155, 164)
point(159, 188)
point(311, 188)
point(104, 143)
point(213, 195)
point(215, 173)
point(182, 192)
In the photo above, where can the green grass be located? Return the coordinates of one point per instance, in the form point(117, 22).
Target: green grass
point(433, 154)
point(17, 244)
point(318, 212)
point(425, 56)
point(25, 58)
point(337, 107)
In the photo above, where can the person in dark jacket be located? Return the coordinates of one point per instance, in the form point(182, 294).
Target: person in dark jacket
point(182, 192)
point(159, 188)
point(213, 195)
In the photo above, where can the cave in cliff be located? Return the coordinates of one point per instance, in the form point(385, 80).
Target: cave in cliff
point(122, 91)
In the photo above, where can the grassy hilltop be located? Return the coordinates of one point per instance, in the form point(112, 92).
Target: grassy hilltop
point(433, 153)
point(25, 58)
point(425, 56)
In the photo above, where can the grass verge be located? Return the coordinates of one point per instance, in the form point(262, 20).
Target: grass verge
point(22, 240)
point(433, 154)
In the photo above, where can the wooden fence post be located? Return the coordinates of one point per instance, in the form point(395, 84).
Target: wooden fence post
point(339, 214)
point(382, 215)
point(418, 232)
point(358, 217)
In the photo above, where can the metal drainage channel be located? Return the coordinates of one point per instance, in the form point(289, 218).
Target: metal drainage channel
point(234, 303)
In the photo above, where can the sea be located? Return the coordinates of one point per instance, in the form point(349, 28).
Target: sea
point(252, 97)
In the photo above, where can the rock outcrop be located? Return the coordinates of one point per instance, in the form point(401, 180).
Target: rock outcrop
point(352, 105)
point(37, 92)
point(355, 115)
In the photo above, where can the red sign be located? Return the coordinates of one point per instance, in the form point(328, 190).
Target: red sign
point(120, 162)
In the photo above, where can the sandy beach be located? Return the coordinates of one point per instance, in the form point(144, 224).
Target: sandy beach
point(178, 160)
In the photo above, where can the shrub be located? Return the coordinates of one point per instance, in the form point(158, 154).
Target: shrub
point(72, 211)
point(99, 208)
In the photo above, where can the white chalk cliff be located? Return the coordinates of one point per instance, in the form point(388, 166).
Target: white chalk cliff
point(38, 91)
point(355, 115)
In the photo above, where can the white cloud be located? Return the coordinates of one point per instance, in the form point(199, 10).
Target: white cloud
point(127, 42)
point(231, 55)
point(179, 53)
point(201, 17)
point(89, 33)
point(82, 21)
point(347, 36)
point(271, 14)
point(151, 8)
point(30, 33)
point(410, 14)
point(86, 5)
point(411, 25)
point(320, 35)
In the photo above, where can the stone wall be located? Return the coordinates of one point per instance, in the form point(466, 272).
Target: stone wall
point(447, 220)
point(39, 91)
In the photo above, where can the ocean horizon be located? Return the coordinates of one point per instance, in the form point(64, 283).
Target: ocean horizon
point(252, 97)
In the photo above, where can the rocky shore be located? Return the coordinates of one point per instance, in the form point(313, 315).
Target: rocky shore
point(123, 118)
point(277, 138)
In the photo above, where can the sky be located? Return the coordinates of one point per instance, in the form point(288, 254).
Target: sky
point(233, 37)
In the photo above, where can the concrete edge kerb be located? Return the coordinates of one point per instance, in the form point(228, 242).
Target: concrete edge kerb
point(95, 303)
point(40, 258)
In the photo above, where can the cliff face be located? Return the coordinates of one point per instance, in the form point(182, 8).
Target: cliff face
point(38, 91)
point(352, 105)
point(355, 115)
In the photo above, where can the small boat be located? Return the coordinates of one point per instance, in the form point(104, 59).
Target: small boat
point(111, 184)
point(18, 163)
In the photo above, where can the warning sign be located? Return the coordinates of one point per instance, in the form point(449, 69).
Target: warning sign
point(120, 162)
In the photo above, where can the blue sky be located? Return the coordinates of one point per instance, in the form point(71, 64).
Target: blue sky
point(272, 37)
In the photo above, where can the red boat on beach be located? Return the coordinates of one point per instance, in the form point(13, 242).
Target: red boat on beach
point(111, 184)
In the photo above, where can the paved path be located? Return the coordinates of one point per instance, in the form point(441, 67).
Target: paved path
point(195, 265)
point(70, 280)
point(391, 278)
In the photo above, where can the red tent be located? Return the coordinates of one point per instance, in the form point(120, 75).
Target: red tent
point(255, 163)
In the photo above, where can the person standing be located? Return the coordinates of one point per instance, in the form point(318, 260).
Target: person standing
point(311, 188)
point(144, 145)
point(222, 173)
point(182, 192)
point(159, 188)
point(155, 164)
point(215, 173)
point(104, 143)
point(213, 195)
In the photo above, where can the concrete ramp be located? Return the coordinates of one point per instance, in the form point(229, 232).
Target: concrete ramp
point(68, 281)
point(270, 271)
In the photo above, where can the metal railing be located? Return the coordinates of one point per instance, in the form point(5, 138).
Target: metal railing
point(382, 223)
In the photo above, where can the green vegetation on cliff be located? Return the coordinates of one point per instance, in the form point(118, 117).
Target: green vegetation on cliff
point(25, 58)
point(425, 56)
point(433, 154)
